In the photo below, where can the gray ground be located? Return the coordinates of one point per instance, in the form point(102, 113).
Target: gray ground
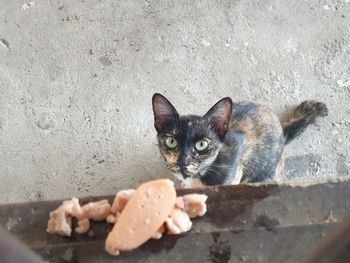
point(76, 80)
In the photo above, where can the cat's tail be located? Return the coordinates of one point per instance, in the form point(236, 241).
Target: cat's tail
point(304, 115)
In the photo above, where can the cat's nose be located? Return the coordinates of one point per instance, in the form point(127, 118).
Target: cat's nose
point(184, 161)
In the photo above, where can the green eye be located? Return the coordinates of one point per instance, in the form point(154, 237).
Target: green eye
point(170, 142)
point(201, 145)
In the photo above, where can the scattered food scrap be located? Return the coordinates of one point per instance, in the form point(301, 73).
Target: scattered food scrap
point(137, 215)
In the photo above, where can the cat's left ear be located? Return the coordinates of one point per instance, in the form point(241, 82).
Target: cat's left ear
point(219, 115)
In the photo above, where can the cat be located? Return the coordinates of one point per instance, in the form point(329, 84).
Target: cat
point(232, 143)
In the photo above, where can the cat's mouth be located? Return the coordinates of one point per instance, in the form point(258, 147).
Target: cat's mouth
point(189, 171)
point(185, 172)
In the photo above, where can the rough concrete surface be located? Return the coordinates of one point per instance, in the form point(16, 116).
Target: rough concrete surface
point(76, 80)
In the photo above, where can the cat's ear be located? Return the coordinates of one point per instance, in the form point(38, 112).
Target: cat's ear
point(164, 112)
point(219, 115)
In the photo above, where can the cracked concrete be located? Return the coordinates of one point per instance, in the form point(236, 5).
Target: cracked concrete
point(76, 80)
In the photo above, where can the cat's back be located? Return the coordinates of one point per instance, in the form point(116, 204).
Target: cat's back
point(250, 117)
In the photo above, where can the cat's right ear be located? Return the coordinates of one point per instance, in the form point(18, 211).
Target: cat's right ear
point(164, 112)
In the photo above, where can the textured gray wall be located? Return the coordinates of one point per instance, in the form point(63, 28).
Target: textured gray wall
point(76, 80)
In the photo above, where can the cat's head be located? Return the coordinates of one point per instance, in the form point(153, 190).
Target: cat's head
point(190, 143)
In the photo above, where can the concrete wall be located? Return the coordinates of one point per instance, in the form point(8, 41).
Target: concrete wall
point(76, 80)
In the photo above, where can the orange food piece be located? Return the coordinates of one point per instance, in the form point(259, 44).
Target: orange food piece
point(142, 216)
point(96, 211)
point(60, 222)
point(83, 226)
point(178, 222)
point(194, 204)
point(111, 219)
point(121, 199)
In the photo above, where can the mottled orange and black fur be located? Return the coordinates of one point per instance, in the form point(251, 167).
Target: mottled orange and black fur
point(244, 141)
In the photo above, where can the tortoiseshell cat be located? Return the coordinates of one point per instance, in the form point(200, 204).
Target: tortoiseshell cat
point(231, 143)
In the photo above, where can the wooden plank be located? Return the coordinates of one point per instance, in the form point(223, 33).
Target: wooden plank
point(242, 215)
point(286, 244)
